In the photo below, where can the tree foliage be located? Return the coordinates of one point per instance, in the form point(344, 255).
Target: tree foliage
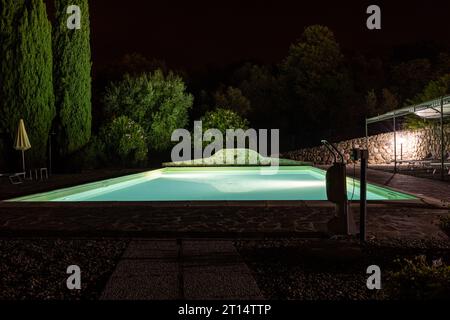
point(72, 74)
point(232, 99)
point(316, 82)
point(314, 58)
point(124, 141)
point(261, 86)
point(434, 89)
point(389, 101)
point(410, 77)
point(223, 119)
point(26, 88)
point(159, 103)
point(371, 102)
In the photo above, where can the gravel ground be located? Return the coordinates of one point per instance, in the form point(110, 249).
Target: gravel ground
point(35, 269)
point(329, 270)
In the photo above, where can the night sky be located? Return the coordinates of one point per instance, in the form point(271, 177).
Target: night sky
point(193, 34)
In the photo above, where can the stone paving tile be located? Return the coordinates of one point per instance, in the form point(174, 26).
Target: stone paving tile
point(164, 270)
point(137, 267)
point(421, 186)
point(161, 249)
point(214, 270)
point(160, 221)
point(148, 270)
point(221, 285)
point(149, 287)
point(225, 222)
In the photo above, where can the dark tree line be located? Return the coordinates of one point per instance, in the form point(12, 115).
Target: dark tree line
point(317, 91)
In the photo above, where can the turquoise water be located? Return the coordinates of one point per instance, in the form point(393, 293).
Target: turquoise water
point(213, 184)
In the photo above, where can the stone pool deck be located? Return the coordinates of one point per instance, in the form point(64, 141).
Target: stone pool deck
point(421, 187)
point(417, 219)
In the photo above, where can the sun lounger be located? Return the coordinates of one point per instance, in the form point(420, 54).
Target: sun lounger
point(14, 178)
point(412, 163)
point(39, 174)
point(437, 165)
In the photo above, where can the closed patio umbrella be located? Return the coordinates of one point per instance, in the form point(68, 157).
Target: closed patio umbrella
point(22, 142)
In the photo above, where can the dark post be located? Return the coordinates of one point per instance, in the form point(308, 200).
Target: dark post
point(363, 195)
point(395, 146)
point(363, 156)
point(442, 139)
point(50, 153)
point(50, 162)
point(367, 135)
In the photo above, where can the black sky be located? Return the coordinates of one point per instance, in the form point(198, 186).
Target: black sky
point(192, 34)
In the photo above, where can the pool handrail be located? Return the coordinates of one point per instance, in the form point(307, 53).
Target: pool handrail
point(330, 148)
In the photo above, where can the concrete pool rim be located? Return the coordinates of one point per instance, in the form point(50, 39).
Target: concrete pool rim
point(416, 199)
point(47, 196)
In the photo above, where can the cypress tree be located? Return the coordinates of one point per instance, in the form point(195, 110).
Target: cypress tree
point(72, 74)
point(8, 54)
point(26, 79)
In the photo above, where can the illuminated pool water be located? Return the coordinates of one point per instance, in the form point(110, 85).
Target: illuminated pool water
point(213, 184)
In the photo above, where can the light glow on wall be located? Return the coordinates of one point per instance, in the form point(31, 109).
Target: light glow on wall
point(408, 145)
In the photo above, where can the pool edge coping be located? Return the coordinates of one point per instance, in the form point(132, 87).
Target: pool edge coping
point(154, 173)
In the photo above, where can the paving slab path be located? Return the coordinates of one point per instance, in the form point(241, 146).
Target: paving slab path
point(181, 270)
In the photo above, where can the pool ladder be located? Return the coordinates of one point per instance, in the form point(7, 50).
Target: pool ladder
point(333, 150)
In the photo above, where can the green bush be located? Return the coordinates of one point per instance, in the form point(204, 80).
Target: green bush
point(223, 119)
point(233, 99)
point(158, 103)
point(91, 156)
point(445, 225)
point(417, 279)
point(125, 142)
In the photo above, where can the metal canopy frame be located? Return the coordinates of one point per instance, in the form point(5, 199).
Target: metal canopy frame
point(434, 109)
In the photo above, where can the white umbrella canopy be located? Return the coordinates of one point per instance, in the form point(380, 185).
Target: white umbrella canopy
point(22, 142)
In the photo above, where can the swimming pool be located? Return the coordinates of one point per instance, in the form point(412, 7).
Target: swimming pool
point(212, 184)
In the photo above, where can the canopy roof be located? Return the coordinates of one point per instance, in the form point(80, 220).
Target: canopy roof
point(427, 110)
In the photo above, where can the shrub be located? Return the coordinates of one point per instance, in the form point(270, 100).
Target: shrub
point(223, 119)
point(417, 279)
point(125, 141)
point(158, 103)
point(91, 156)
point(233, 99)
point(445, 225)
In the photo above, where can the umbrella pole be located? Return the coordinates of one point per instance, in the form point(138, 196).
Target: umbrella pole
point(23, 160)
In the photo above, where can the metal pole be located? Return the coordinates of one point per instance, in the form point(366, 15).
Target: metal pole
point(50, 154)
point(442, 139)
point(367, 136)
point(395, 146)
point(23, 161)
point(363, 196)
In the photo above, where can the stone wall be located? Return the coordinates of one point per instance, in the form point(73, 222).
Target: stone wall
point(411, 144)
